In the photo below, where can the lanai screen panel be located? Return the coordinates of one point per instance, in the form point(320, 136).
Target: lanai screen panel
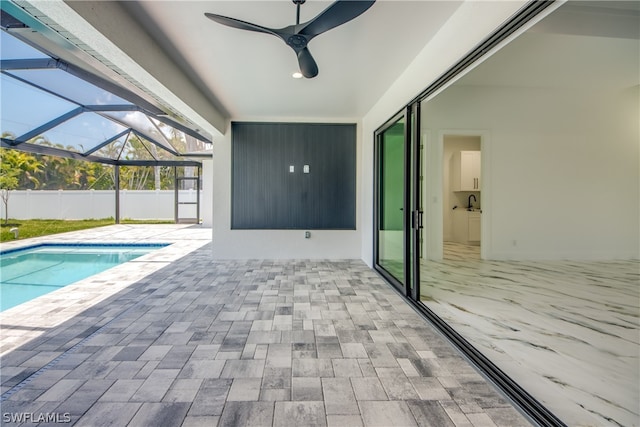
point(51, 107)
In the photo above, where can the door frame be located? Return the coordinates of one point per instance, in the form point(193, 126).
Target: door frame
point(378, 135)
point(412, 217)
point(531, 12)
point(436, 237)
point(177, 203)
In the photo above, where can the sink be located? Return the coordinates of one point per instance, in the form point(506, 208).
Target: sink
point(474, 210)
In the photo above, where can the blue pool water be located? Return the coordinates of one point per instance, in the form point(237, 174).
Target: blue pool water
point(30, 272)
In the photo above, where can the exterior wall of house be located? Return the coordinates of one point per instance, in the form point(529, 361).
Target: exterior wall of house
point(276, 244)
point(206, 201)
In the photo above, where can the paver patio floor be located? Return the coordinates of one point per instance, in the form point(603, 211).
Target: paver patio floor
point(248, 343)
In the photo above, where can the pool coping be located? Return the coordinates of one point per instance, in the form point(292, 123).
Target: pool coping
point(26, 321)
point(83, 245)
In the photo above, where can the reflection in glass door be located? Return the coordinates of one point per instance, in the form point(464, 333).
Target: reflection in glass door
point(390, 201)
point(398, 219)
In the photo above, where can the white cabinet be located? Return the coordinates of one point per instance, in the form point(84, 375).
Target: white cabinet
point(465, 171)
point(460, 226)
point(466, 227)
point(473, 220)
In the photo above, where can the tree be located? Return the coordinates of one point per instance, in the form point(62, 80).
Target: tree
point(16, 167)
point(8, 182)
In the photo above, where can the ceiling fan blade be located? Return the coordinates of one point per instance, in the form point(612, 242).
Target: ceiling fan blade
point(236, 23)
point(337, 14)
point(308, 66)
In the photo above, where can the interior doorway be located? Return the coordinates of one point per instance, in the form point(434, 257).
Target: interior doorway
point(461, 196)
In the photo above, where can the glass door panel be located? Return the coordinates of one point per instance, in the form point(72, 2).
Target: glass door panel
point(390, 224)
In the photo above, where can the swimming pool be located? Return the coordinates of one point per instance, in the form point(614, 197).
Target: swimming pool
point(30, 272)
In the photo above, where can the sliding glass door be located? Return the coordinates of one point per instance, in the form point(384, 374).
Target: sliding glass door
point(390, 201)
point(396, 217)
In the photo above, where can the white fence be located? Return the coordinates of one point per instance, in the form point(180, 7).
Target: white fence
point(71, 204)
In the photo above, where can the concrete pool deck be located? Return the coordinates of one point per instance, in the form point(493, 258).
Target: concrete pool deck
point(49, 310)
point(181, 339)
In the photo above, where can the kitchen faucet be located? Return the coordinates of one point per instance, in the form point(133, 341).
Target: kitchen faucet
point(474, 199)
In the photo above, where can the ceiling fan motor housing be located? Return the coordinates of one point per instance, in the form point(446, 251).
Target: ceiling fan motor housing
point(297, 41)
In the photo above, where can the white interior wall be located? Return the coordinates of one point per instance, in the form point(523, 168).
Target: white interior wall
point(276, 244)
point(564, 172)
point(472, 22)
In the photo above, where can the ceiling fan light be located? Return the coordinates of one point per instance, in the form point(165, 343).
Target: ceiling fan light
point(297, 75)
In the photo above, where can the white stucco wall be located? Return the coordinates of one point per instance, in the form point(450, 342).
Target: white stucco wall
point(206, 201)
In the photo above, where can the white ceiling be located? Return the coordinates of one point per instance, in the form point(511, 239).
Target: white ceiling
point(582, 45)
point(249, 73)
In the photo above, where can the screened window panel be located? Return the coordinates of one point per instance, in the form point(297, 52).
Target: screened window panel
point(81, 133)
point(12, 48)
point(25, 108)
point(136, 149)
point(141, 123)
point(194, 145)
point(175, 137)
point(111, 150)
point(70, 87)
point(182, 142)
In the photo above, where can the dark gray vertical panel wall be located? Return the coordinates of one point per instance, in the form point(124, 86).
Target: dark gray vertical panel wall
point(265, 195)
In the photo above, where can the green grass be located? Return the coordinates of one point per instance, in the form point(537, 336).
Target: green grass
point(44, 227)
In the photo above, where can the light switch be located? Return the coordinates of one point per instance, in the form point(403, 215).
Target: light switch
point(292, 169)
point(305, 169)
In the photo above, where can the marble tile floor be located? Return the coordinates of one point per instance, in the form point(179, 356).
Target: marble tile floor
point(454, 251)
point(568, 332)
point(231, 343)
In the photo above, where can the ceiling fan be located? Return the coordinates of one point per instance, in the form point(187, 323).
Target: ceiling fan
point(297, 36)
